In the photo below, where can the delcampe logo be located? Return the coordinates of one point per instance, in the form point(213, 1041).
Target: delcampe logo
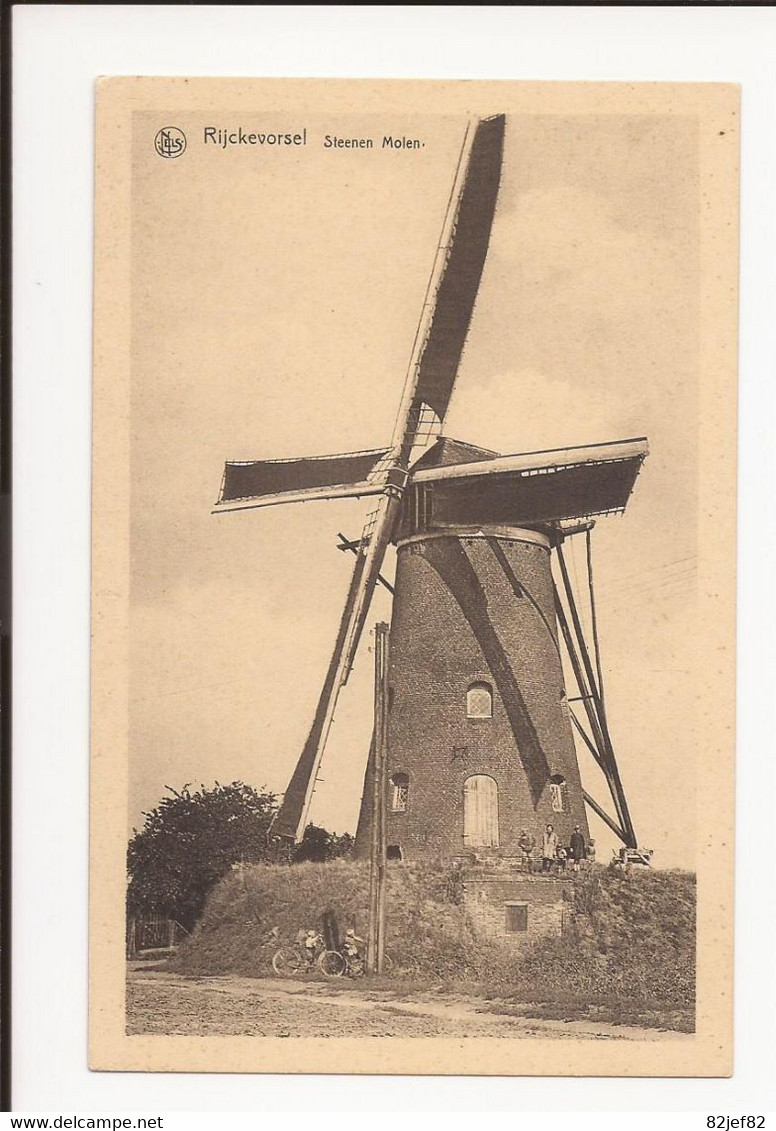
point(170, 142)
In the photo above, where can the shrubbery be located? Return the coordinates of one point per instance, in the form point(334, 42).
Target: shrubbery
point(629, 946)
point(189, 842)
point(193, 838)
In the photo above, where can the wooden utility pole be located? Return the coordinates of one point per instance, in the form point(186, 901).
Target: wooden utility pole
point(376, 934)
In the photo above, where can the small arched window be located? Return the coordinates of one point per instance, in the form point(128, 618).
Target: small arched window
point(479, 701)
point(400, 792)
point(557, 793)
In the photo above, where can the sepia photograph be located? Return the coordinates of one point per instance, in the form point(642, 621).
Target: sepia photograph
point(413, 523)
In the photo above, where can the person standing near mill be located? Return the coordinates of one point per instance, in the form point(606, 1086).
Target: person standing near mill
point(549, 848)
point(526, 844)
point(578, 848)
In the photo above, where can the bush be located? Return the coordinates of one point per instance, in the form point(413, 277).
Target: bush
point(189, 842)
point(630, 943)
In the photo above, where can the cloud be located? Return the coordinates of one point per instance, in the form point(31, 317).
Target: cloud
point(571, 293)
point(524, 410)
point(573, 241)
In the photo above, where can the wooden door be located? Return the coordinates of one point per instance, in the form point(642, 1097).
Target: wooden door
point(480, 812)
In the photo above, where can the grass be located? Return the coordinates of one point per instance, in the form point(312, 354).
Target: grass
point(628, 955)
point(619, 1012)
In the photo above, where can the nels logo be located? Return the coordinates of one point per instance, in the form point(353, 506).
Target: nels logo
point(170, 142)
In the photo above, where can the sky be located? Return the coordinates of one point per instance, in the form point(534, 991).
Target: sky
point(274, 301)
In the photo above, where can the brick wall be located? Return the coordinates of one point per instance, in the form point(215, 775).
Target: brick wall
point(469, 609)
point(486, 898)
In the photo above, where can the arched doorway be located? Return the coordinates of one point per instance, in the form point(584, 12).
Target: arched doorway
point(480, 812)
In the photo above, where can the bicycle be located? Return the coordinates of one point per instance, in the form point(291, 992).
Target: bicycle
point(334, 964)
point(289, 961)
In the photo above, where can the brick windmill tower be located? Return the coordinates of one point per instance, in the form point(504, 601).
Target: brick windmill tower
point(480, 727)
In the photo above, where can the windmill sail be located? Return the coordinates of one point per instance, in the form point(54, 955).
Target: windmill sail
point(295, 800)
point(292, 814)
point(457, 290)
point(549, 486)
point(436, 353)
point(264, 483)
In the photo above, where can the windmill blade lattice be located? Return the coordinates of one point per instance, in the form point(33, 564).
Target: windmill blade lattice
point(439, 341)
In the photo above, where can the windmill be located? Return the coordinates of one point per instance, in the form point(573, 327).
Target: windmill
point(480, 729)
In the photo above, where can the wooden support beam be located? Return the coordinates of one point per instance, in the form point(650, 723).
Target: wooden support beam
point(377, 857)
point(593, 619)
point(604, 817)
point(577, 624)
point(583, 733)
point(348, 544)
point(596, 715)
point(381, 640)
point(585, 698)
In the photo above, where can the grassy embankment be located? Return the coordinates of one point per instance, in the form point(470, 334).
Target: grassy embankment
point(627, 956)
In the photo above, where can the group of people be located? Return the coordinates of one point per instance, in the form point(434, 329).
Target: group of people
point(554, 855)
point(311, 943)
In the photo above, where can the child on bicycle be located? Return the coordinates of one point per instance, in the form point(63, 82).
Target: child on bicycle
point(351, 948)
point(312, 944)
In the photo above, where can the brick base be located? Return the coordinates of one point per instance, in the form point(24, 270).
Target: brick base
point(494, 904)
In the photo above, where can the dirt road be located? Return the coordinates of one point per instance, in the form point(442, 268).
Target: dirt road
point(165, 1003)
